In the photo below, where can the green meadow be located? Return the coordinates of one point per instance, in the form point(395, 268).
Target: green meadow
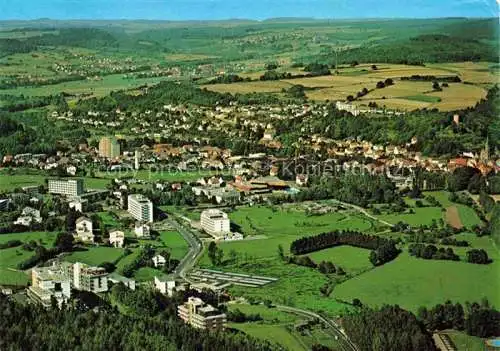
point(412, 282)
point(95, 255)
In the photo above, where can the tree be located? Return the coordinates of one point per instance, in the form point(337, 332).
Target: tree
point(281, 253)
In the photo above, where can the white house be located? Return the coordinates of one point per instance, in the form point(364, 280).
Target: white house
point(77, 204)
point(301, 179)
point(117, 238)
point(84, 230)
point(159, 261)
point(142, 230)
point(165, 286)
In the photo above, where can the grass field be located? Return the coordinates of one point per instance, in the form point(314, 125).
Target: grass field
point(96, 88)
point(403, 95)
point(11, 257)
point(277, 327)
point(464, 342)
point(175, 242)
point(412, 282)
point(95, 255)
point(351, 259)
point(297, 285)
point(12, 179)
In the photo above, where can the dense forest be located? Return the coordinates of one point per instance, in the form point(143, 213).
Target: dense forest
point(150, 326)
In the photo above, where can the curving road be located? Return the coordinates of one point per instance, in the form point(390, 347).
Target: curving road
point(344, 342)
point(195, 252)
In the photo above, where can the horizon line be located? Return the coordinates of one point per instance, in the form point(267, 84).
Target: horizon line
point(242, 19)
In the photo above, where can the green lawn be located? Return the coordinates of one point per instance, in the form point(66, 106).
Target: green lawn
point(422, 216)
point(278, 327)
point(108, 220)
point(11, 257)
point(12, 179)
point(351, 259)
point(146, 274)
point(411, 282)
point(465, 342)
point(95, 255)
point(46, 238)
point(467, 215)
point(176, 242)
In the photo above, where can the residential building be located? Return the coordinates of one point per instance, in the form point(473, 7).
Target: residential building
point(84, 230)
point(142, 230)
point(301, 179)
point(201, 315)
point(109, 147)
point(159, 261)
point(67, 187)
point(86, 278)
point(28, 216)
point(215, 222)
point(50, 282)
point(117, 238)
point(166, 285)
point(78, 204)
point(140, 207)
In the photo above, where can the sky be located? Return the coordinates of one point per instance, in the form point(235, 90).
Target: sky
point(248, 9)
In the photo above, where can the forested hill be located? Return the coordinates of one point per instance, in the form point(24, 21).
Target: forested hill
point(35, 328)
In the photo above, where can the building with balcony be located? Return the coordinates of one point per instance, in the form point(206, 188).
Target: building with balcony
point(201, 315)
point(49, 283)
point(86, 278)
point(66, 187)
point(140, 207)
point(215, 223)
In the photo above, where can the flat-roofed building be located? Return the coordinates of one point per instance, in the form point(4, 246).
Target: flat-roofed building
point(51, 282)
point(140, 207)
point(201, 315)
point(86, 278)
point(215, 222)
point(67, 187)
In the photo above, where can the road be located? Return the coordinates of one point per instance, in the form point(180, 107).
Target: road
point(363, 211)
point(195, 249)
point(344, 342)
point(195, 252)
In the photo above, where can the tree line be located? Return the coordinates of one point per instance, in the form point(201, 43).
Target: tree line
point(383, 250)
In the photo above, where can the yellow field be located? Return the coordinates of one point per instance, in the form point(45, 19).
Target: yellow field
point(250, 87)
point(458, 96)
point(403, 95)
point(188, 57)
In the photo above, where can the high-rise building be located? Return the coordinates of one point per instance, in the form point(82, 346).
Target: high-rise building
point(68, 187)
point(215, 222)
point(109, 147)
point(137, 158)
point(86, 278)
point(201, 315)
point(140, 207)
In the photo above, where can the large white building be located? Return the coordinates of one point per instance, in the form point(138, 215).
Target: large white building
point(117, 238)
point(201, 315)
point(69, 187)
point(86, 278)
point(215, 222)
point(140, 207)
point(50, 282)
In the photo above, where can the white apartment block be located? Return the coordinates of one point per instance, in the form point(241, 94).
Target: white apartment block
point(215, 222)
point(86, 278)
point(50, 282)
point(142, 230)
point(140, 207)
point(69, 187)
point(201, 315)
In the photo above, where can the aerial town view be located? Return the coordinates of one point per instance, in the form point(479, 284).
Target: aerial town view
point(304, 175)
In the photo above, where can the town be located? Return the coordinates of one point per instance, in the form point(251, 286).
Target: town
point(333, 198)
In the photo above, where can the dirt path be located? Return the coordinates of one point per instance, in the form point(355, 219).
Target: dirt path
point(453, 218)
